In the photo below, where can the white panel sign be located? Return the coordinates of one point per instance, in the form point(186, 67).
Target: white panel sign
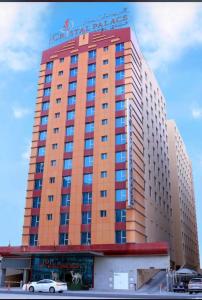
point(130, 153)
point(120, 281)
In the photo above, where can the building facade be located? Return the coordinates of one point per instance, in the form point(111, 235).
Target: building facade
point(183, 201)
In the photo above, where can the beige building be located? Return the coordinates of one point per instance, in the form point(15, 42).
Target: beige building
point(157, 182)
point(183, 202)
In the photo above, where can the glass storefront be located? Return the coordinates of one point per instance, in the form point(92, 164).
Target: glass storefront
point(59, 267)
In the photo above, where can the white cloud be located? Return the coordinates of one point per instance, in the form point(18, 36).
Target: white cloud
point(26, 154)
point(20, 112)
point(165, 30)
point(21, 33)
point(197, 113)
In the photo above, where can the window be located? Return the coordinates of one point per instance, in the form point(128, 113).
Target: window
point(68, 164)
point(67, 181)
point(65, 200)
point(92, 54)
point(103, 174)
point(63, 239)
point(71, 100)
point(64, 218)
point(120, 90)
point(120, 122)
point(74, 59)
point(61, 59)
point(105, 49)
point(52, 180)
point(120, 139)
point(39, 167)
point(57, 115)
point(104, 138)
point(50, 198)
point(91, 96)
point(105, 62)
point(88, 179)
point(42, 135)
point(33, 239)
point(120, 105)
point(44, 120)
point(47, 92)
point(103, 156)
point(89, 144)
point(86, 217)
point(120, 215)
point(120, 236)
point(54, 146)
point(45, 106)
point(38, 184)
point(88, 161)
point(71, 115)
point(120, 75)
point(49, 217)
point(105, 91)
point(91, 68)
point(103, 193)
point(48, 78)
point(120, 175)
point(119, 61)
point(120, 195)
point(72, 86)
point(55, 130)
point(105, 76)
point(41, 151)
point(119, 47)
point(91, 81)
point(59, 86)
point(35, 221)
point(85, 238)
point(69, 130)
point(69, 146)
point(49, 65)
point(36, 202)
point(87, 197)
point(121, 157)
point(58, 100)
point(73, 72)
point(104, 105)
point(104, 122)
point(89, 127)
point(90, 111)
point(103, 213)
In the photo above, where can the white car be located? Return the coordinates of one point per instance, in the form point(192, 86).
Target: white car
point(45, 285)
point(195, 285)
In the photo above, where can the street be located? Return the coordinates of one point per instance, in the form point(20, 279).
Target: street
point(19, 294)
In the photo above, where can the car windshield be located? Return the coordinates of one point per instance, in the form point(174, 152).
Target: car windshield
point(196, 280)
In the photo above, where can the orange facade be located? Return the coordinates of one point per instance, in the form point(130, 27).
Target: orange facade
point(103, 229)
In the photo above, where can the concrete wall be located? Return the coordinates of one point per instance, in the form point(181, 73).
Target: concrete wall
point(106, 267)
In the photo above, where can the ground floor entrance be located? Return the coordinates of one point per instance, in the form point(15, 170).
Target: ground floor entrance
point(66, 268)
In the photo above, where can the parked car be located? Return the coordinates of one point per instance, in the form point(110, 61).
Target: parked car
point(181, 287)
point(195, 285)
point(45, 285)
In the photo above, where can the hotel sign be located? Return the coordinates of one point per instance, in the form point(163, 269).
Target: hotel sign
point(103, 22)
point(130, 153)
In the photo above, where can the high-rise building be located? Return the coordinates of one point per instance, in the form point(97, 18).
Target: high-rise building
point(183, 201)
point(100, 199)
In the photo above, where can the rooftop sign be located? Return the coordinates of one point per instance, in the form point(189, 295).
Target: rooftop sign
point(103, 22)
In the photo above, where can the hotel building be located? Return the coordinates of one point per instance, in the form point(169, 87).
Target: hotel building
point(98, 198)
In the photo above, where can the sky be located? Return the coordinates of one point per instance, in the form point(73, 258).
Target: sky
point(170, 37)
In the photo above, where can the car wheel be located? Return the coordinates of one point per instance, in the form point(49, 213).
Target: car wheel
point(31, 289)
point(52, 290)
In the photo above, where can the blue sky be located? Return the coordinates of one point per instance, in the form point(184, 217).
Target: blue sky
point(171, 39)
